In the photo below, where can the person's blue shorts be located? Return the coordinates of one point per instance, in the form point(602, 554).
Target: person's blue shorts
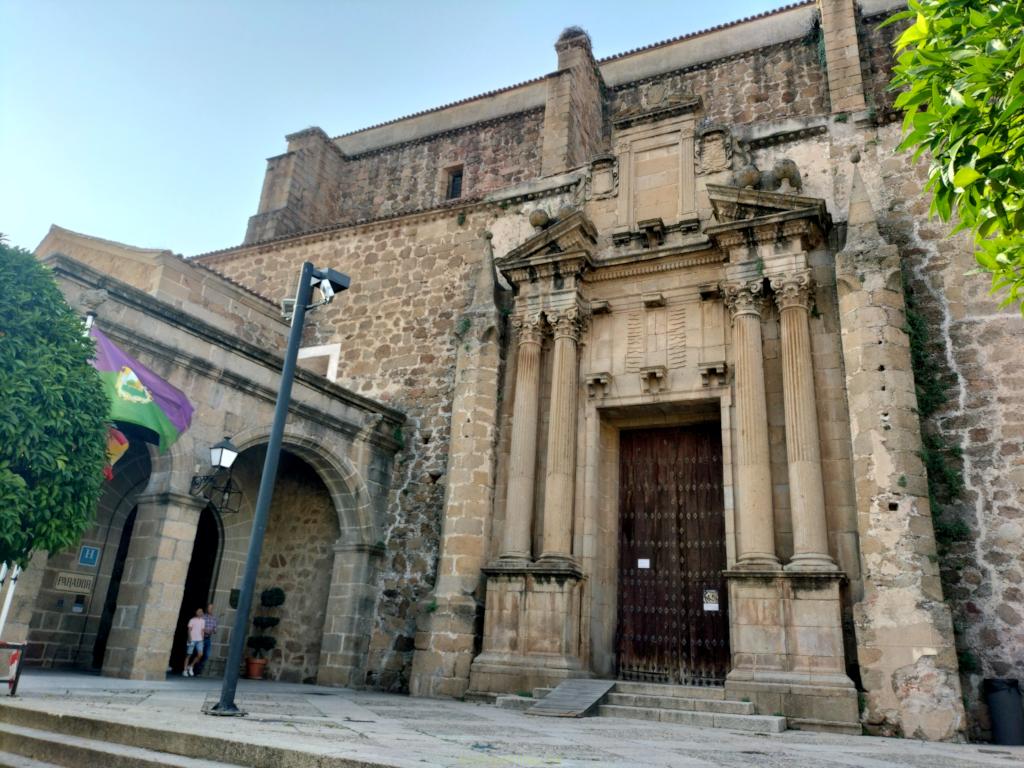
point(192, 646)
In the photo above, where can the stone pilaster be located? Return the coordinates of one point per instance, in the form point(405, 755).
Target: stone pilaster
point(447, 633)
point(149, 599)
point(905, 642)
point(515, 543)
point(803, 447)
point(842, 55)
point(347, 627)
point(560, 480)
point(755, 520)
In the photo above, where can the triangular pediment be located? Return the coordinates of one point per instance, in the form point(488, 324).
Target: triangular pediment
point(569, 238)
point(738, 205)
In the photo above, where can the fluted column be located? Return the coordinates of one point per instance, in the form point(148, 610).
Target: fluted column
point(803, 448)
point(560, 480)
point(515, 543)
point(756, 523)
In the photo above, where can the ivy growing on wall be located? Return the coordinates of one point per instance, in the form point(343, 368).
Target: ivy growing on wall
point(941, 457)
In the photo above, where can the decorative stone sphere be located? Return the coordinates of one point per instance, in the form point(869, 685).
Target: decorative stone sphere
point(566, 211)
point(539, 218)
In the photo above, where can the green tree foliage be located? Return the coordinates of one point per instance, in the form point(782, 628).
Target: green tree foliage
point(960, 66)
point(52, 414)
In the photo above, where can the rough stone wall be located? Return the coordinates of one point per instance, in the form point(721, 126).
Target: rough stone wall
point(58, 636)
point(297, 557)
point(771, 83)
point(398, 330)
point(315, 185)
point(979, 347)
point(411, 177)
point(876, 45)
point(905, 637)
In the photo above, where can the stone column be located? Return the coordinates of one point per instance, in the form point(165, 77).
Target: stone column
point(803, 448)
point(152, 586)
point(515, 543)
point(561, 457)
point(755, 519)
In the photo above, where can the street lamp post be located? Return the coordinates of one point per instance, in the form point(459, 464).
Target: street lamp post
point(329, 282)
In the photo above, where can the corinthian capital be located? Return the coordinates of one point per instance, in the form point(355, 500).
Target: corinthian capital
point(743, 297)
point(568, 322)
point(529, 327)
point(793, 289)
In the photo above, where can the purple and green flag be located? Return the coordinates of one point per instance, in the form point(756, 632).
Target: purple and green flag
point(137, 395)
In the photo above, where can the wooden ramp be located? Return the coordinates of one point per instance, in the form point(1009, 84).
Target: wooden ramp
point(572, 698)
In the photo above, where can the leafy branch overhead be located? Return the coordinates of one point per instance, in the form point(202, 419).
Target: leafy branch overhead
point(53, 414)
point(960, 66)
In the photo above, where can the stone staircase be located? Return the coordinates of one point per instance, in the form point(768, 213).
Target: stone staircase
point(31, 738)
point(705, 707)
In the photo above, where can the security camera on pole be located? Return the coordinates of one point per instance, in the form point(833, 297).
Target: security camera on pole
point(328, 282)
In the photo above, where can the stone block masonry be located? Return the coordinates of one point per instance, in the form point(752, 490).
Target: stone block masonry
point(905, 638)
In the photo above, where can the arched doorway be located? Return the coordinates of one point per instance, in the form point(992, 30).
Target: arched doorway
point(298, 557)
point(99, 648)
point(199, 582)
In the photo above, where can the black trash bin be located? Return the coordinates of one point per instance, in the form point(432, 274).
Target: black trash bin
point(1006, 711)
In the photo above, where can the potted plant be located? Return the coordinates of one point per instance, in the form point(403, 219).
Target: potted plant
point(262, 643)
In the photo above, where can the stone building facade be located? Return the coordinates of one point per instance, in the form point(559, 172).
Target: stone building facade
point(629, 349)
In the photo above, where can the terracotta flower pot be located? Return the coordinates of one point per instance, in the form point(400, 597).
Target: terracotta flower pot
point(255, 668)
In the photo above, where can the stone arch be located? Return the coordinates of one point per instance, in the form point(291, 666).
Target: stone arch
point(347, 488)
point(355, 555)
point(172, 470)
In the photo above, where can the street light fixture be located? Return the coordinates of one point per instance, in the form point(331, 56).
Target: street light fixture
point(329, 283)
point(217, 487)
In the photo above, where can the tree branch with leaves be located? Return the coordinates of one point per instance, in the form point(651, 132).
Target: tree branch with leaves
point(960, 67)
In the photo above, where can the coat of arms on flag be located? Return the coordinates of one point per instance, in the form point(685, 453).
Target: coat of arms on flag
point(138, 396)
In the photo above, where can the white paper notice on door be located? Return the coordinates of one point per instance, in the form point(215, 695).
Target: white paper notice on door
point(643, 563)
point(710, 599)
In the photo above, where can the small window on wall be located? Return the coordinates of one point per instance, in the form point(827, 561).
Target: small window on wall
point(454, 183)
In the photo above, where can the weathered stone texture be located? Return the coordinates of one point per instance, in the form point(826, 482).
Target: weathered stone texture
point(399, 334)
point(979, 346)
point(298, 552)
point(316, 185)
point(764, 84)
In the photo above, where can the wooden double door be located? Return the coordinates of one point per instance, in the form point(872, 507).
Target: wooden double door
point(673, 621)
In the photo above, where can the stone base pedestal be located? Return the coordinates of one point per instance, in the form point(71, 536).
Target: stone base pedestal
point(786, 637)
point(531, 628)
point(444, 648)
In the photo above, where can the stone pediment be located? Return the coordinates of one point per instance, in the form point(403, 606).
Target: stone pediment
point(755, 213)
point(738, 204)
point(564, 247)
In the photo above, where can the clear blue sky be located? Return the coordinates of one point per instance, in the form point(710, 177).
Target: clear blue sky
point(149, 121)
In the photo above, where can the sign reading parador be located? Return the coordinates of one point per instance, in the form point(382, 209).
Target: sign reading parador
point(73, 582)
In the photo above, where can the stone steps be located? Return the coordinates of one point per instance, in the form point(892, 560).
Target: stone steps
point(701, 706)
point(10, 760)
point(44, 740)
point(661, 689)
point(751, 723)
point(33, 748)
point(717, 706)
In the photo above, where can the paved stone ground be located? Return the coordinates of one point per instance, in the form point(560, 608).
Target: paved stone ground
point(402, 731)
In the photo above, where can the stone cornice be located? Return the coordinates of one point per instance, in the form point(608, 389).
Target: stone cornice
point(753, 216)
point(564, 249)
point(628, 120)
point(73, 271)
point(665, 262)
point(336, 231)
